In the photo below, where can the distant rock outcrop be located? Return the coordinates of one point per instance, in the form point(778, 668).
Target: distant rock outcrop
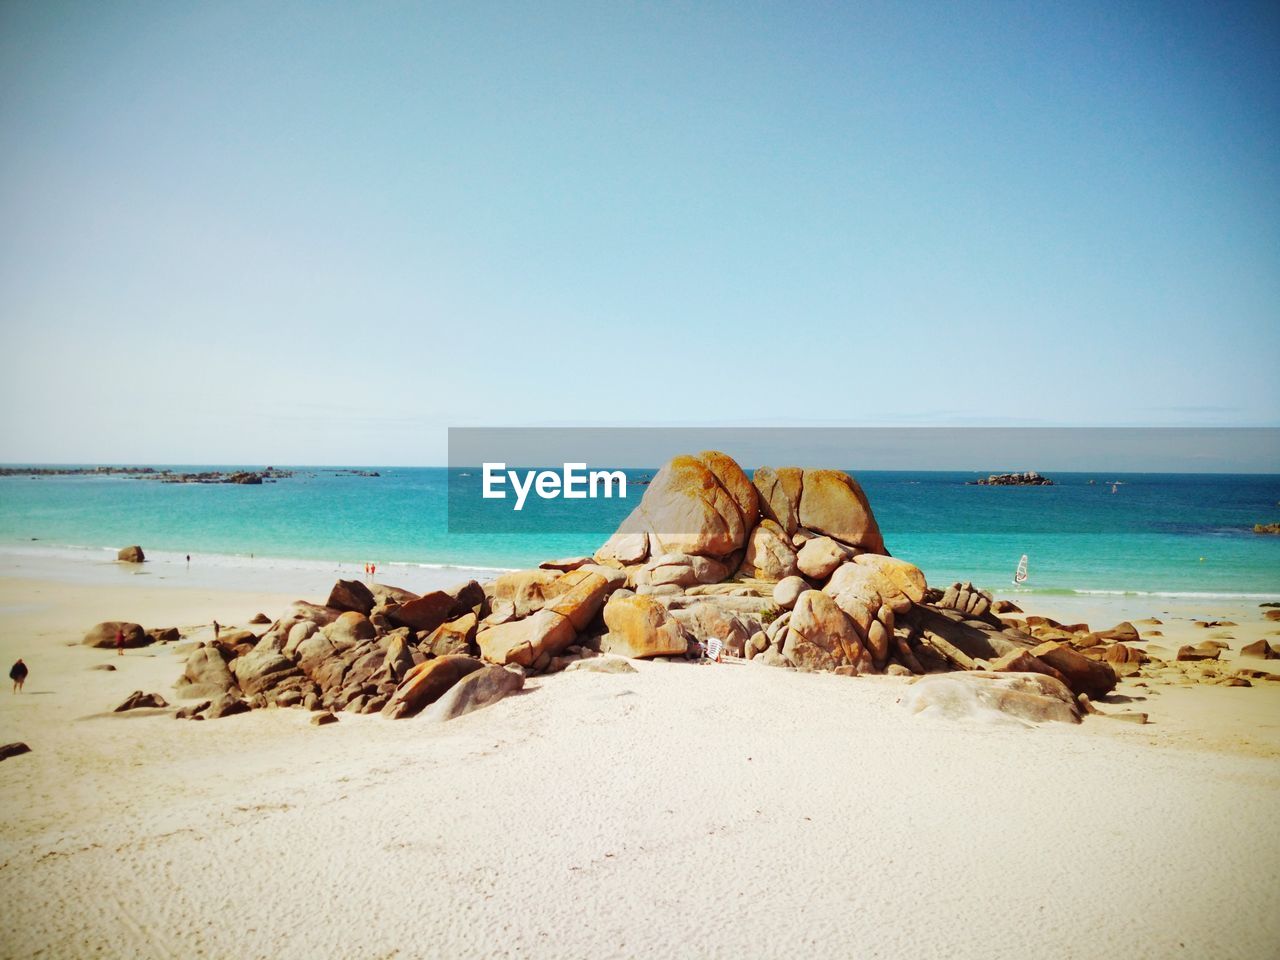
point(132, 554)
point(1028, 479)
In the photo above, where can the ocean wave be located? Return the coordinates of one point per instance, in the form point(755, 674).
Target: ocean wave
point(1170, 594)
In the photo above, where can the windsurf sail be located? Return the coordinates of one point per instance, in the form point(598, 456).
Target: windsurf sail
point(1020, 575)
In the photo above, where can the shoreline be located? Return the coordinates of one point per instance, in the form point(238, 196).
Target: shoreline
point(244, 572)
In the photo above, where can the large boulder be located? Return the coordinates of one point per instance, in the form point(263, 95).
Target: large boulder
point(788, 590)
point(351, 595)
point(426, 612)
point(702, 506)
point(907, 579)
point(350, 627)
point(426, 683)
point(455, 637)
point(770, 555)
point(819, 557)
point(680, 570)
point(578, 596)
point(1024, 697)
point(640, 626)
point(524, 641)
point(132, 554)
point(300, 612)
point(205, 674)
point(263, 667)
point(710, 618)
point(104, 634)
point(480, 688)
point(780, 495)
point(524, 590)
point(820, 636)
point(832, 503)
point(1083, 675)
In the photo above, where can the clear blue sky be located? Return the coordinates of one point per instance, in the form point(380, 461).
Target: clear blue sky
point(276, 232)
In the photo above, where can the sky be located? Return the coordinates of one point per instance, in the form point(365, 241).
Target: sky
point(326, 233)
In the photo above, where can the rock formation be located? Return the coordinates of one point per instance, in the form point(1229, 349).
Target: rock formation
point(787, 569)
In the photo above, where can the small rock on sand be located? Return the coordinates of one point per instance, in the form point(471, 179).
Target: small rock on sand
point(138, 700)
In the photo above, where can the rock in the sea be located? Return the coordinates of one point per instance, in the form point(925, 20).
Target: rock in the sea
point(426, 683)
point(351, 595)
point(13, 750)
point(641, 627)
point(132, 554)
point(1028, 697)
point(104, 634)
point(138, 699)
point(480, 688)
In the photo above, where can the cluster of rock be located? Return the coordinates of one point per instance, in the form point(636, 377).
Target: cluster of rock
point(787, 568)
point(1116, 648)
point(1028, 479)
point(1271, 528)
point(270, 474)
point(75, 471)
point(246, 477)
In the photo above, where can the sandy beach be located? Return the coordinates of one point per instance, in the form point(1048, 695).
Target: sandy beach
point(710, 811)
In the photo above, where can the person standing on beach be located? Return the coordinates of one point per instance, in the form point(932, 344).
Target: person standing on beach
point(18, 674)
point(216, 629)
point(119, 641)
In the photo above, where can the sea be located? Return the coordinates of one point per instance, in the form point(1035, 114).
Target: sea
point(1175, 535)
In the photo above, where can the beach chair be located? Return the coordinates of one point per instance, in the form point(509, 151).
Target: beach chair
point(713, 648)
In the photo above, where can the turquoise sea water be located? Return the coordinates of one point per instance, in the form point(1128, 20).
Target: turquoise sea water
point(1158, 533)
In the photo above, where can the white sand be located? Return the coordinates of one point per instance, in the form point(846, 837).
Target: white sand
point(717, 811)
